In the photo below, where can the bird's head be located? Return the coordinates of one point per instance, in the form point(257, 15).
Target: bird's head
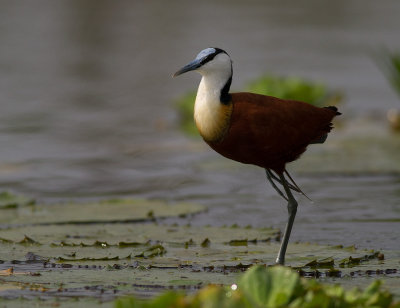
point(209, 60)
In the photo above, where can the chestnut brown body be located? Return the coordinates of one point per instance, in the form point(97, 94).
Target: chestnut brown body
point(270, 132)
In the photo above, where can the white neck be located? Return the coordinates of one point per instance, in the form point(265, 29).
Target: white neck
point(209, 91)
point(209, 112)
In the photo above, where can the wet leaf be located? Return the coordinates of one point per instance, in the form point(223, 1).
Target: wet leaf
point(328, 262)
point(215, 296)
point(147, 258)
point(153, 251)
point(27, 241)
point(271, 287)
point(9, 200)
point(205, 243)
point(275, 287)
point(117, 210)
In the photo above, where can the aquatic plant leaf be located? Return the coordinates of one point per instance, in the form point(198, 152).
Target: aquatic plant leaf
point(389, 62)
point(89, 258)
point(294, 88)
point(205, 243)
point(167, 299)
point(153, 251)
point(374, 298)
point(327, 262)
point(216, 296)
point(273, 287)
point(44, 299)
point(9, 200)
point(138, 234)
point(111, 241)
point(117, 210)
point(185, 106)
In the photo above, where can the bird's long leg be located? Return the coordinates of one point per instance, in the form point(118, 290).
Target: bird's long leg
point(292, 209)
point(294, 183)
point(271, 177)
point(274, 177)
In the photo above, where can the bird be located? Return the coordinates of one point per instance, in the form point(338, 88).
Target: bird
point(256, 129)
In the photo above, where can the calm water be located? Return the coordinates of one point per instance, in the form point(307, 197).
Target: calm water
point(86, 104)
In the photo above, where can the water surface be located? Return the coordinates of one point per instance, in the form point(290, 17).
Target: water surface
point(86, 104)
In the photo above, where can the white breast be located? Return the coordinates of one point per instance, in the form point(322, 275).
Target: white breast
point(210, 115)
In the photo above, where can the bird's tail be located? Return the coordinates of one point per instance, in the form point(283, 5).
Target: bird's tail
point(333, 108)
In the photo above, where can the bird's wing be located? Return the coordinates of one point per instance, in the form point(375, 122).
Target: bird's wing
point(275, 129)
point(278, 122)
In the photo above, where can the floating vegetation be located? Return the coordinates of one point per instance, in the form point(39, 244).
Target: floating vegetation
point(9, 200)
point(271, 287)
point(95, 258)
point(115, 210)
point(389, 62)
point(148, 258)
point(295, 88)
point(153, 251)
point(185, 106)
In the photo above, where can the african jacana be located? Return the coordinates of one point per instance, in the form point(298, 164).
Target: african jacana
point(255, 129)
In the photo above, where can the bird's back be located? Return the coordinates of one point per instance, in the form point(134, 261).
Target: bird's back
point(270, 132)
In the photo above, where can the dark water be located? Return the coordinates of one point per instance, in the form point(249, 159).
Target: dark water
point(86, 104)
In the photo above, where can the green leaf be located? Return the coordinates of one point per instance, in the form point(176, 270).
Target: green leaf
point(9, 200)
point(389, 62)
point(116, 210)
point(272, 287)
point(168, 299)
point(129, 302)
point(294, 88)
point(219, 297)
point(373, 296)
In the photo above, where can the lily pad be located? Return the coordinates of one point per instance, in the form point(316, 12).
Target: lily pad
point(109, 260)
point(122, 241)
point(118, 210)
point(9, 200)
